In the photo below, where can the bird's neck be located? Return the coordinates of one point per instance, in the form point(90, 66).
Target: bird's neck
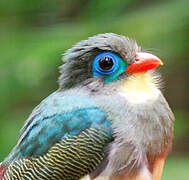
point(140, 88)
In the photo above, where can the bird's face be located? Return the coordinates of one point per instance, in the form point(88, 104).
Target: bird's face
point(112, 67)
point(104, 59)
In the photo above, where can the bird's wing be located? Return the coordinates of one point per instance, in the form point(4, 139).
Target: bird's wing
point(54, 119)
point(73, 157)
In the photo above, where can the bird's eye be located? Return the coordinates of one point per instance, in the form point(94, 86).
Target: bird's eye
point(106, 63)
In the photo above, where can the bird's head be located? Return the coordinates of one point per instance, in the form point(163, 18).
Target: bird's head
point(106, 58)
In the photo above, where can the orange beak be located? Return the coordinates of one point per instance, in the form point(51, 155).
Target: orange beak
point(144, 62)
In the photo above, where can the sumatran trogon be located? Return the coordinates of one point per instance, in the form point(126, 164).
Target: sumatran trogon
point(108, 119)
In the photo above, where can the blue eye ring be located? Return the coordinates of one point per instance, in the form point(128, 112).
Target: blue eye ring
point(97, 70)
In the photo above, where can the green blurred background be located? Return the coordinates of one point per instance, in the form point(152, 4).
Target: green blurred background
point(34, 34)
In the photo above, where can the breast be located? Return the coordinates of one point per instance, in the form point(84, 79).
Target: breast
point(144, 174)
point(142, 124)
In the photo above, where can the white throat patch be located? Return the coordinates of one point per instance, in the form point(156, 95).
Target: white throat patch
point(140, 88)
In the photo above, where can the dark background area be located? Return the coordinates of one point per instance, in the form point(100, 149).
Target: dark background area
point(34, 35)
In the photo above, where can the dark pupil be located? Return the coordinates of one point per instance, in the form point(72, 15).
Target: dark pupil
point(106, 63)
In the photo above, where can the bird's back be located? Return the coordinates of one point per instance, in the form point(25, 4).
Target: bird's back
point(67, 135)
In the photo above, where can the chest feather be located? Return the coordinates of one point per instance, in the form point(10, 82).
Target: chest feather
point(139, 88)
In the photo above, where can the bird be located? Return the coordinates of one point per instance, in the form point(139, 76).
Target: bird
point(108, 119)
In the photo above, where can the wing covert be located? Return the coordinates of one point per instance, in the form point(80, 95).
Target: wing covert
point(43, 129)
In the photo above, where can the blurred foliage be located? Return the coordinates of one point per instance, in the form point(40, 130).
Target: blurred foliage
point(176, 169)
point(35, 34)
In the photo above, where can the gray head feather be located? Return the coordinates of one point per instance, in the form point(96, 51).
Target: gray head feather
point(77, 65)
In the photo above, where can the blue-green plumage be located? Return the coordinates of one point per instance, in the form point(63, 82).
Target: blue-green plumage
point(48, 130)
point(71, 115)
point(70, 158)
point(57, 125)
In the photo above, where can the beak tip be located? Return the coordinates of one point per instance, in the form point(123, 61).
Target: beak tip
point(161, 63)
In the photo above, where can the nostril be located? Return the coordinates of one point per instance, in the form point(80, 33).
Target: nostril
point(137, 59)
